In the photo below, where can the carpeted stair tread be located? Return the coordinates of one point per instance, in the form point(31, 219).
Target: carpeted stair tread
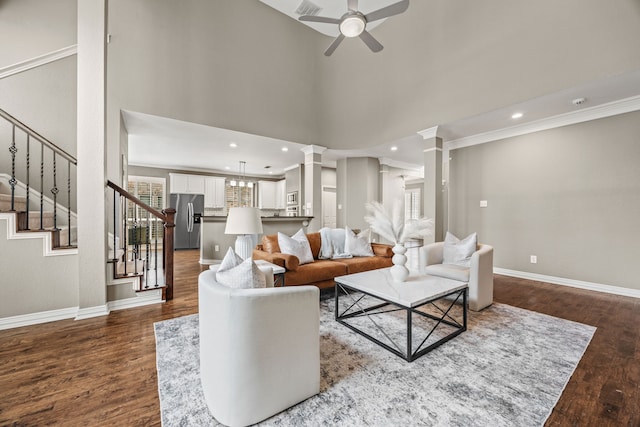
point(19, 203)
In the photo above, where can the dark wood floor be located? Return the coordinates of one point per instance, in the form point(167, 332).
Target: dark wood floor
point(102, 372)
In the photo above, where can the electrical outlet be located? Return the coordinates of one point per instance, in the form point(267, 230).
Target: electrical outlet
point(534, 259)
point(483, 203)
point(216, 248)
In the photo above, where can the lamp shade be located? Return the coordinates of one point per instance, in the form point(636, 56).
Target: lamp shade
point(243, 221)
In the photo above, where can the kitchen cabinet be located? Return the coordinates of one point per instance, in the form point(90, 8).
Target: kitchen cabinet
point(281, 194)
point(272, 194)
point(214, 192)
point(183, 183)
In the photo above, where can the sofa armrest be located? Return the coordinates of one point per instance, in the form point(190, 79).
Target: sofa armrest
point(380, 249)
point(290, 262)
point(431, 254)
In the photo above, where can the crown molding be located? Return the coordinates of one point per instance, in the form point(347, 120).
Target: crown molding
point(38, 61)
point(614, 108)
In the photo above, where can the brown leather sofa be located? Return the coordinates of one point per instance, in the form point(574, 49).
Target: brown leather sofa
point(322, 271)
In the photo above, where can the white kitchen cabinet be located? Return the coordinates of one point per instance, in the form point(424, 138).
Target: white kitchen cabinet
point(267, 194)
point(214, 192)
point(183, 183)
point(281, 194)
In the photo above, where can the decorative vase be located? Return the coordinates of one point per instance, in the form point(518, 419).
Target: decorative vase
point(399, 272)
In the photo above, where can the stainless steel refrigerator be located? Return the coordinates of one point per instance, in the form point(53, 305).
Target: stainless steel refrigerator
point(189, 209)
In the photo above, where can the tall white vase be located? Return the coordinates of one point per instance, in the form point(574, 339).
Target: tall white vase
point(399, 272)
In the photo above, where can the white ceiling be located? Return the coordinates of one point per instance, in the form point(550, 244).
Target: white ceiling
point(329, 9)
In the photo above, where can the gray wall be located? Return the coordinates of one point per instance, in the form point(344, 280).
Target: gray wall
point(357, 183)
point(448, 59)
point(41, 284)
point(570, 195)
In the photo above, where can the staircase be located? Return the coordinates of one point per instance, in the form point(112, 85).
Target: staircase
point(62, 236)
point(37, 195)
point(144, 252)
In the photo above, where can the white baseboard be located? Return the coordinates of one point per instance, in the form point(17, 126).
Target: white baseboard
point(208, 261)
point(598, 287)
point(89, 312)
point(37, 318)
point(145, 298)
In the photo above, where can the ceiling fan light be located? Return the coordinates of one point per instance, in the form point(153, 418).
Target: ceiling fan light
point(352, 26)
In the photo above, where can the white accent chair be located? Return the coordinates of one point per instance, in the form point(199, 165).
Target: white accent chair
point(479, 275)
point(259, 349)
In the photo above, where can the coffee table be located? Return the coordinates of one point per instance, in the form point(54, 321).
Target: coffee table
point(430, 297)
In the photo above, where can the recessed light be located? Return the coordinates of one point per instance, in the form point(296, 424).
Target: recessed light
point(233, 145)
point(517, 115)
point(285, 149)
point(394, 148)
point(227, 167)
point(270, 172)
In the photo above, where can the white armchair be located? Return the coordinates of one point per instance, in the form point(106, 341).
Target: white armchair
point(259, 349)
point(479, 275)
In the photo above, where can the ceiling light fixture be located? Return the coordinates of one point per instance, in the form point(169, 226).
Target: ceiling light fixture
point(233, 145)
point(394, 148)
point(516, 116)
point(285, 149)
point(353, 25)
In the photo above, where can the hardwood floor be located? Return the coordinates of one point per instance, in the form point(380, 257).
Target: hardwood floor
point(101, 372)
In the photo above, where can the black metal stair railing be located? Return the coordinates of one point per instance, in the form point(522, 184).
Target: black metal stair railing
point(146, 234)
point(49, 156)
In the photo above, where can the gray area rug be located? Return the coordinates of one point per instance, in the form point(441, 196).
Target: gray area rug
point(508, 369)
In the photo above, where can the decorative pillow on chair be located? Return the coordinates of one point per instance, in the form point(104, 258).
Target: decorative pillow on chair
point(359, 245)
point(456, 251)
point(235, 273)
point(297, 245)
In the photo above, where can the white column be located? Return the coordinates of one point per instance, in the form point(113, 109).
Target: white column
point(312, 203)
point(433, 184)
point(92, 253)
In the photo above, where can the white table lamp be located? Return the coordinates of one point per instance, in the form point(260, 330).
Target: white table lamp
point(244, 222)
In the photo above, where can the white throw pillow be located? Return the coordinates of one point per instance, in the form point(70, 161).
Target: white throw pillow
point(359, 245)
point(458, 252)
point(297, 245)
point(230, 260)
point(245, 275)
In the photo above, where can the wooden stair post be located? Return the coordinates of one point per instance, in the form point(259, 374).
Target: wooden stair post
point(169, 226)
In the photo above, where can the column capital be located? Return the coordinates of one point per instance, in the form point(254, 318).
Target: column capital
point(313, 149)
point(431, 132)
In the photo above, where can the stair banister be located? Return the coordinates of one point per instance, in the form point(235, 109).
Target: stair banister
point(167, 217)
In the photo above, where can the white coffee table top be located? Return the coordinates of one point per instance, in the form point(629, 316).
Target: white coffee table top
point(415, 291)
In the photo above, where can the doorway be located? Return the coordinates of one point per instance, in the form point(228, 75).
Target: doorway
point(329, 210)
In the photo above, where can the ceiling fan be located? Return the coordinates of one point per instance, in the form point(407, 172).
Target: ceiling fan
point(354, 23)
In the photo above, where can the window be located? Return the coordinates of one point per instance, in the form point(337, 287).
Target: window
point(149, 190)
point(411, 204)
point(236, 195)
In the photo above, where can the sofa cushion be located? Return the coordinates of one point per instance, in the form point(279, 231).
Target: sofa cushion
point(270, 243)
point(318, 271)
point(456, 251)
point(449, 271)
point(360, 264)
point(297, 245)
point(358, 245)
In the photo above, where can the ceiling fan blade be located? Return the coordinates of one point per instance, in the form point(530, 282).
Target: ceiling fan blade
point(334, 45)
point(385, 12)
point(370, 41)
point(323, 19)
point(352, 5)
